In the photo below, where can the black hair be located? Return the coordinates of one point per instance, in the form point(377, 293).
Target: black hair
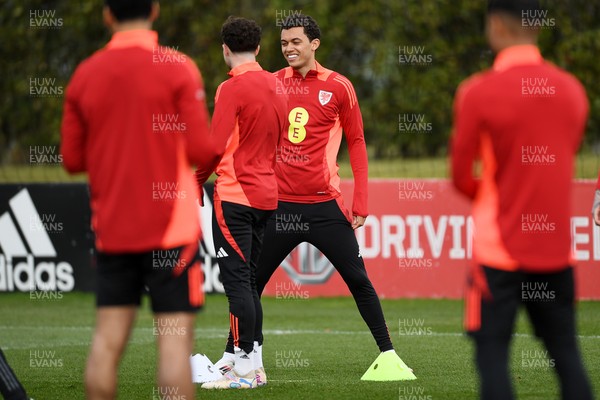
point(240, 34)
point(514, 8)
point(125, 10)
point(311, 28)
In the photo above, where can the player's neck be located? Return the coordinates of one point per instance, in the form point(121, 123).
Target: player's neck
point(237, 60)
point(516, 42)
point(131, 25)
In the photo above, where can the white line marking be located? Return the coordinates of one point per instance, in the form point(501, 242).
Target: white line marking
point(276, 332)
point(216, 333)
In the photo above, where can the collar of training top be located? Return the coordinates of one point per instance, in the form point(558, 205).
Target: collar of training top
point(144, 38)
point(245, 67)
point(317, 72)
point(517, 55)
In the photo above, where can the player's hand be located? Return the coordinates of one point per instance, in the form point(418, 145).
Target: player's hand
point(358, 221)
point(597, 215)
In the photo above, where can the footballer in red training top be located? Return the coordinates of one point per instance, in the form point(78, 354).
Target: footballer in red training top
point(596, 205)
point(135, 120)
point(248, 119)
point(524, 119)
point(322, 108)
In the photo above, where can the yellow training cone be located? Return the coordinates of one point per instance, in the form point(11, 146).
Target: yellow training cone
point(388, 367)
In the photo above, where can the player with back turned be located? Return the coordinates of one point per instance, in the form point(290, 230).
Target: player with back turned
point(247, 122)
point(143, 194)
point(596, 204)
point(323, 108)
point(522, 200)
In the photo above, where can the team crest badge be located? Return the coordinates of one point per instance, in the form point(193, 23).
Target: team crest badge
point(324, 97)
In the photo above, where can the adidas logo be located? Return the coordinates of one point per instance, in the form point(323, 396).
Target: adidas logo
point(25, 275)
point(222, 253)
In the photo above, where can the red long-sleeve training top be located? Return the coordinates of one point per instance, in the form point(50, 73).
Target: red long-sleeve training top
point(135, 120)
point(246, 126)
point(322, 105)
point(525, 120)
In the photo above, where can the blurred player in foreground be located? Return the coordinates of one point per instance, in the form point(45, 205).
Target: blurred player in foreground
point(135, 120)
point(596, 206)
point(322, 105)
point(247, 122)
point(10, 387)
point(525, 120)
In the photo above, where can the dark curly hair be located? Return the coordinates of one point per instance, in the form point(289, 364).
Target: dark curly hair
point(240, 34)
point(311, 28)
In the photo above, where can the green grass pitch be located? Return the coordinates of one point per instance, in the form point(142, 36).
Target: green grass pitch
point(315, 348)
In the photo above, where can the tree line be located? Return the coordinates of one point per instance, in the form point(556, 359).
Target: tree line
point(405, 58)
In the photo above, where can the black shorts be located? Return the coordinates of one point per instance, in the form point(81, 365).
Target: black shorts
point(494, 296)
point(173, 278)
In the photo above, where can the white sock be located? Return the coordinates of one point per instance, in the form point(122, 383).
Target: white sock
point(387, 351)
point(228, 356)
point(244, 363)
point(258, 361)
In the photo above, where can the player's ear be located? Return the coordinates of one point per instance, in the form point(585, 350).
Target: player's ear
point(497, 25)
point(155, 11)
point(108, 17)
point(314, 44)
point(257, 50)
point(492, 30)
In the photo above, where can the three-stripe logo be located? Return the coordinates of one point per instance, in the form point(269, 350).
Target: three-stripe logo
point(24, 275)
point(222, 253)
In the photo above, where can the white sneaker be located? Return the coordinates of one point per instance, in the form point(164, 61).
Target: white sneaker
point(231, 380)
point(261, 377)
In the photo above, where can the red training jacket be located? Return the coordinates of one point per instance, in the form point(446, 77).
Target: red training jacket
point(247, 122)
point(135, 120)
point(321, 106)
point(525, 120)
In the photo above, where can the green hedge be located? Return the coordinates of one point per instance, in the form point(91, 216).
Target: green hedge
point(361, 39)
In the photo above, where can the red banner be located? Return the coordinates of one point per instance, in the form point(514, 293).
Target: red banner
point(417, 243)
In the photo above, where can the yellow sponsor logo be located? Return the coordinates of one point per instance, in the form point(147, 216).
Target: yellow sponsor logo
point(298, 118)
